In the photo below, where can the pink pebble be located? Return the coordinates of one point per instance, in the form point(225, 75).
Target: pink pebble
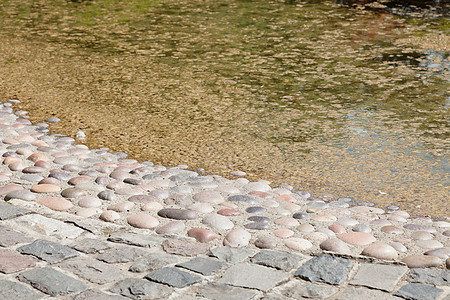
point(287, 198)
point(202, 235)
point(55, 203)
point(288, 222)
point(142, 221)
point(283, 233)
point(337, 228)
point(237, 237)
point(357, 238)
point(381, 251)
point(229, 212)
point(45, 188)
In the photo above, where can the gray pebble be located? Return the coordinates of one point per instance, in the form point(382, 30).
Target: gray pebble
point(259, 219)
point(300, 215)
point(361, 228)
point(61, 176)
point(257, 226)
point(255, 210)
point(106, 195)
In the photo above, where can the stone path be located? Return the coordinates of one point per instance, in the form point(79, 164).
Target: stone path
point(79, 223)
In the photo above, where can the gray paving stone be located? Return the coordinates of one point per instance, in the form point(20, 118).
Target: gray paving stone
point(325, 268)
point(184, 248)
point(153, 262)
point(91, 246)
point(9, 211)
point(17, 291)
point(358, 293)
point(302, 290)
point(10, 237)
point(276, 259)
point(121, 255)
point(231, 254)
point(47, 226)
point(173, 277)
point(430, 276)
point(49, 251)
point(382, 277)
point(216, 291)
point(135, 239)
point(51, 281)
point(417, 291)
point(93, 270)
point(204, 266)
point(135, 288)
point(253, 276)
point(94, 294)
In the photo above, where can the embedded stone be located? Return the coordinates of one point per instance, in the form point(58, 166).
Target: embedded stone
point(417, 291)
point(12, 262)
point(429, 276)
point(49, 251)
point(142, 199)
point(335, 245)
point(92, 270)
point(204, 266)
point(422, 261)
point(152, 206)
point(237, 237)
point(443, 253)
point(171, 227)
point(142, 221)
point(45, 188)
point(178, 214)
point(55, 203)
point(136, 288)
point(89, 202)
point(202, 235)
point(276, 259)
point(265, 243)
point(218, 222)
point(325, 268)
point(153, 262)
point(135, 239)
point(122, 206)
point(173, 277)
point(283, 233)
point(9, 211)
point(20, 194)
point(381, 251)
point(109, 216)
point(298, 244)
point(73, 193)
point(242, 198)
point(16, 291)
point(357, 238)
point(287, 222)
point(121, 255)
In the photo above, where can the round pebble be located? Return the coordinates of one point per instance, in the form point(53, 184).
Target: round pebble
point(73, 193)
point(397, 218)
point(171, 227)
point(357, 238)
point(392, 229)
point(203, 208)
point(89, 202)
point(218, 222)
point(45, 188)
point(337, 228)
point(49, 180)
point(229, 212)
point(55, 203)
point(20, 194)
point(122, 206)
point(443, 253)
point(292, 207)
point(298, 244)
point(87, 212)
point(202, 235)
point(33, 170)
point(265, 243)
point(286, 198)
point(316, 237)
point(79, 180)
point(255, 210)
point(348, 222)
point(209, 197)
point(335, 245)
point(258, 186)
point(305, 228)
point(417, 227)
point(422, 235)
point(142, 221)
point(361, 228)
point(109, 216)
point(178, 214)
point(237, 237)
point(259, 219)
point(429, 244)
point(61, 176)
point(381, 251)
point(106, 195)
point(422, 261)
point(152, 206)
point(283, 233)
point(300, 215)
point(288, 222)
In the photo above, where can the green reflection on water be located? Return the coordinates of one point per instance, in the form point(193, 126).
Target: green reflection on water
point(317, 86)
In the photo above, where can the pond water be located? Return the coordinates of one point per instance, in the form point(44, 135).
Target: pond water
point(339, 101)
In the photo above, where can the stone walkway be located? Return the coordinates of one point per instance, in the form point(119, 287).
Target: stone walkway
point(77, 223)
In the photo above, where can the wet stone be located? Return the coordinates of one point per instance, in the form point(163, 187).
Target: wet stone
point(231, 254)
point(48, 251)
point(417, 291)
point(135, 239)
point(153, 262)
point(324, 268)
point(178, 214)
point(184, 248)
point(16, 291)
point(216, 291)
point(173, 277)
point(377, 276)
point(91, 246)
point(135, 288)
point(92, 270)
point(242, 198)
point(429, 276)
point(276, 259)
point(10, 237)
point(253, 276)
point(9, 211)
point(51, 281)
point(121, 255)
point(204, 266)
point(11, 261)
point(421, 261)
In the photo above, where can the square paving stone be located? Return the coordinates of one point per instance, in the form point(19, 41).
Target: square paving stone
point(17, 291)
point(325, 268)
point(231, 254)
point(135, 239)
point(153, 262)
point(173, 277)
point(121, 255)
point(94, 294)
point(51, 281)
point(91, 246)
point(430, 276)
point(135, 288)
point(358, 293)
point(10, 237)
point(253, 277)
point(382, 277)
point(93, 270)
point(216, 291)
point(276, 259)
point(417, 291)
point(49, 251)
point(11, 261)
point(204, 266)
point(9, 211)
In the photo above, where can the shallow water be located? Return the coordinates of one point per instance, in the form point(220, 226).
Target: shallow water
point(334, 100)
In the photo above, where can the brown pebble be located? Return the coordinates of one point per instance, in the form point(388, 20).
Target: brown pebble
point(202, 235)
point(45, 188)
point(142, 221)
point(49, 180)
point(38, 156)
point(422, 261)
point(55, 203)
point(229, 212)
point(265, 243)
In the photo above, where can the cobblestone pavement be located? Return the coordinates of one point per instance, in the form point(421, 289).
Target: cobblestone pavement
point(77, 223)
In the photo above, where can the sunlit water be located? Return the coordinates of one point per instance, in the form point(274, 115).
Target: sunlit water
point(333, 100)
